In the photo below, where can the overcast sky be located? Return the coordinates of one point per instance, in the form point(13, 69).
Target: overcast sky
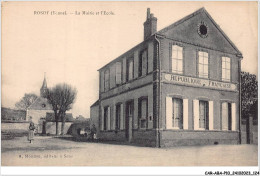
point(71, 48)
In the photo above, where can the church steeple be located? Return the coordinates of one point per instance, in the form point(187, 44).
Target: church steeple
point(44, 88)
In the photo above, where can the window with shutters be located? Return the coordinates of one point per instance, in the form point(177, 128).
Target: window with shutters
point(118, 117)
point(203, 115)
point(177, 113)
point(143, 112)
point(225, 69)
point(106, 80)
point(130, 69)
point(177, 59)
point(118, 73)
point(105, 121)
point(203, 64)
point(226, 116)
point(143, 63)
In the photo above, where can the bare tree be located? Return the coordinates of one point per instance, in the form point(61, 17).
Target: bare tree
point(26, 101)
point(61, 97)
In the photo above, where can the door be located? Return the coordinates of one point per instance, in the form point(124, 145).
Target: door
point(203, 117)
point(129, 120)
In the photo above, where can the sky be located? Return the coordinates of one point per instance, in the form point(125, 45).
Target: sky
point(71, 48)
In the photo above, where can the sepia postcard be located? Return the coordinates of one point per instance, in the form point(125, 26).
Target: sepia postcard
point(130, 84)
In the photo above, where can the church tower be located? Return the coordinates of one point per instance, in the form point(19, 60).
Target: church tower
point(43, 90)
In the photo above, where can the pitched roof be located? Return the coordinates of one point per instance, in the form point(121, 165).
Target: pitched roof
point(40, 104)
point(160, 32)
point(95, 104)
point(50, 117)
point(201, 10)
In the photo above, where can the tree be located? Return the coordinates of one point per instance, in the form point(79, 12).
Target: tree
point(26, 101)
point(249, 90)
point(61, 97)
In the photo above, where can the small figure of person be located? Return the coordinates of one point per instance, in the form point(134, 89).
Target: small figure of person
point(31, 132)
point(93, 132)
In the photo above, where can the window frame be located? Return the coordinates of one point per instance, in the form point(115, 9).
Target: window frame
point(229, 117)
point(173, 113)
point(146, 119)
point(177, 59)
point(105, 118)
point(131, 59)
point(106, 88)
point(121, 72)
point(230, 61)
point(206, 120)
point(140, 65)
point(198, 64)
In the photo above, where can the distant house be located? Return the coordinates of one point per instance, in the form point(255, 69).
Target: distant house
point(8, 114)
point(40, 106)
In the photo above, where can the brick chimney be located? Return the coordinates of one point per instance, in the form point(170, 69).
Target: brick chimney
point(150, 25)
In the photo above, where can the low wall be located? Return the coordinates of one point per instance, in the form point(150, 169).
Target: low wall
point(189, 137)
point(23, 126)
point(51, 127)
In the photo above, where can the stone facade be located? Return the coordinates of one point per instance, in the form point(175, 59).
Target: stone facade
point(180, 86)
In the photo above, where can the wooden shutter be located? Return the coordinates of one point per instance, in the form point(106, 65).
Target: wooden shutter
point(113, 118)
point(211, 114)
point(233, 115)
point(168, 112)
point(150, 57)
point(185, 114)
point(124, 70)
point(196, 114)
point(122, 122)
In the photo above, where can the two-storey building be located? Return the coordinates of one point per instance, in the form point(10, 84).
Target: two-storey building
point(180, 86)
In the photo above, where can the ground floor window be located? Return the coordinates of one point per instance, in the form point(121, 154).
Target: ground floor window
point(177, 113)
point(226, 116)
point(203, 115)
point(143, 112)
point(118, 116)
point(106, 121)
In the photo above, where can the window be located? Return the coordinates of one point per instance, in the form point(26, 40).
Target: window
point(203, 64)
point(118, 116)
point(143, 61)
point(118, 73)
point(106, 85)
point(225, 69)
point(177, 115)
point(177, 59)
point(226, 116)
point(130, 69)
point(106, 120)
point(143, 112)
point(203, 115)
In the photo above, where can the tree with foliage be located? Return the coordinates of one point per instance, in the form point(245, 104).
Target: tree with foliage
point(26, 101)
point(249, 90)
point(61, 97)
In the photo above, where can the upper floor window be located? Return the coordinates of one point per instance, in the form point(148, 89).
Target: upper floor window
point(203, 64)
point(106, 84)
point(130, 69)
point(118, 73)
point(143, 62)
point(225, 69)
point(177, 59)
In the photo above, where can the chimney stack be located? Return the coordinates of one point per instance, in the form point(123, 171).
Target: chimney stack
point(150, 25)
